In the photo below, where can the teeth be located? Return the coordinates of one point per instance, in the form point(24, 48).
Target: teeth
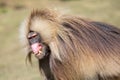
point(40, 52)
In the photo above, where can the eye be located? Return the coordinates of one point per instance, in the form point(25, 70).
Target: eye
point(32, 35)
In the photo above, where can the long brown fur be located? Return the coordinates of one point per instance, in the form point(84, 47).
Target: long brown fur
point(80, 49)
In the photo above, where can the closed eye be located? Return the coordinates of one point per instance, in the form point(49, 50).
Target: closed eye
point(32, 36)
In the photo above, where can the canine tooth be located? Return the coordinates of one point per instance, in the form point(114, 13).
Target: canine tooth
point(40, 51)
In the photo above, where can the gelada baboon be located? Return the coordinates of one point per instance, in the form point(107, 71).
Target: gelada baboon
point(69, 47)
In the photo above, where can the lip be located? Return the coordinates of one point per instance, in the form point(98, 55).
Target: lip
point(39, 52)
point(36, 48)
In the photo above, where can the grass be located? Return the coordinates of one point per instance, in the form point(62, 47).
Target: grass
point(12, 56)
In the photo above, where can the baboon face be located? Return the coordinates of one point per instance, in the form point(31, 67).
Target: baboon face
point(40, 33)
point(39, 49)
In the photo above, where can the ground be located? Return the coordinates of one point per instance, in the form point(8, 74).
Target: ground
point(12, 12)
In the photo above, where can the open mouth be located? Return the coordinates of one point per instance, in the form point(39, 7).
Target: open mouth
point(40, 50)
point(37, 49)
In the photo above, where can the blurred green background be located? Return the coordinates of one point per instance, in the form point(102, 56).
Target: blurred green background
point(12, 13)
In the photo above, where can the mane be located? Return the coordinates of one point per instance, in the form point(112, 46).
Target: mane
point(93, 37)
point(79, 40)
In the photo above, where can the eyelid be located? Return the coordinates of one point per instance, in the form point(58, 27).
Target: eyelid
point(33, 35)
